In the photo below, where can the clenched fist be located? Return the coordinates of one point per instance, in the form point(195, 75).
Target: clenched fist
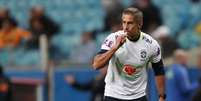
point(119, 41)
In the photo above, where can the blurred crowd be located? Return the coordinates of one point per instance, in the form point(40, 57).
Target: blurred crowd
point(180, 87)
point(159, 22)
point(175, 24)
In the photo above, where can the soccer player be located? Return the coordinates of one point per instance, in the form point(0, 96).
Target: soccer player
point(128, 53)
point(96, 85)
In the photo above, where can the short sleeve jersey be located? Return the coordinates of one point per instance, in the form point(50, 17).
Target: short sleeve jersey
point(126, 75)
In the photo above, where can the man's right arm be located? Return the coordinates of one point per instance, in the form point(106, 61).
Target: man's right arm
point(102, 59)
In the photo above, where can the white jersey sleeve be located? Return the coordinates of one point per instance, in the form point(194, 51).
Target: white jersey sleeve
point(108, 42)
point(156, 52)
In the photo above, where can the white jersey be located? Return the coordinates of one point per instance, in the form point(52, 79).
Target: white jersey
point(126, 75)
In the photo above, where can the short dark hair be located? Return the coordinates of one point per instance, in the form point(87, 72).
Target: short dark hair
point(136, 13)
point(10, 21)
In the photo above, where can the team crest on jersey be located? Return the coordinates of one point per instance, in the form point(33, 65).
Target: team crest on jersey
point(143, 55)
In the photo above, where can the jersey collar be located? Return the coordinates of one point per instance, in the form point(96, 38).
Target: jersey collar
point(137, 39)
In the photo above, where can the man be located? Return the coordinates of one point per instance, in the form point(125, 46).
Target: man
point(5, 87)
point(5, 14)
point(152, 18)
point(96, 85)
point(197, 94)
point(81, 53)
point(128, 53)
point(11, 35)
point(39, 24)
point(179, 87)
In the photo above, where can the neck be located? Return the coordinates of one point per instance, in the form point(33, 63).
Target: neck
point(135, 38)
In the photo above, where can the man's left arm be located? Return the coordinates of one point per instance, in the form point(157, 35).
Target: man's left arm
point(160, 79)
point(158, 67)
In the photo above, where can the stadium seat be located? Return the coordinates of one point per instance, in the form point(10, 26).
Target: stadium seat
point(74, 16)
point(188, 39)
point(4, 57)
point(28, 58)
point(64, 43)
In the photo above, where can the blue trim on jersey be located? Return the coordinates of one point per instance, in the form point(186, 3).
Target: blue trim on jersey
point(102, 51)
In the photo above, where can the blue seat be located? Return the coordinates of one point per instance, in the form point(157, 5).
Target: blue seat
point(195, 15)
point(171, 19)
point(4, 57)
point(188, 39)
point(28, 58)
point(64, 43)
point(3, 3)
point(101, 37)
point(126, 3)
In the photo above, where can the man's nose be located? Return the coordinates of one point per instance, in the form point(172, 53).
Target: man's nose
point(125, 26)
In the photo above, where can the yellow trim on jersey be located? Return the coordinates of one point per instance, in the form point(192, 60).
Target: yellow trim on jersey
point(141, 35)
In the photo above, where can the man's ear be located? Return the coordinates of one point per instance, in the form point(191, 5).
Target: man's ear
point(139, 26)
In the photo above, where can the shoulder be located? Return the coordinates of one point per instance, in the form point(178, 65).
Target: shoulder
point(110, 40)
point(113, 36)
point(149, 39)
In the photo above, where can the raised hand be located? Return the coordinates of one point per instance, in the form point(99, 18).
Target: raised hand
point(70, 79)
point(161, 99)
point(119, 41)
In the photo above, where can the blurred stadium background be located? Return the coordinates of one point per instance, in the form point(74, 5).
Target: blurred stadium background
point(39, 73)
